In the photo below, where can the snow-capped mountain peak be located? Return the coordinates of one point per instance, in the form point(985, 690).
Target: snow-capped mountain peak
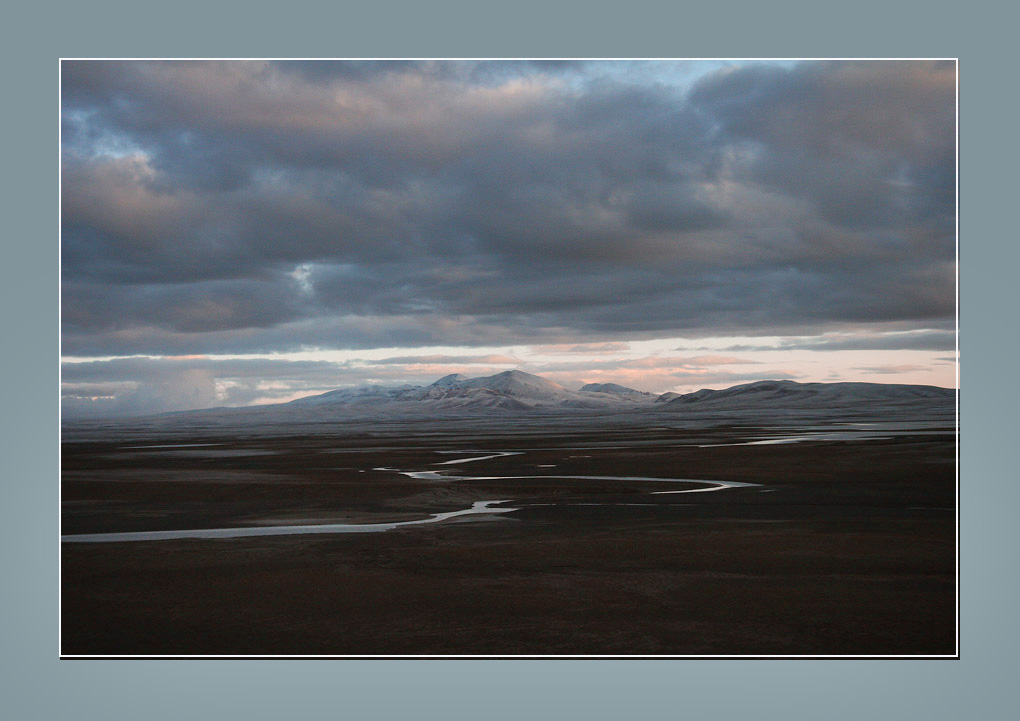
point(450, 380)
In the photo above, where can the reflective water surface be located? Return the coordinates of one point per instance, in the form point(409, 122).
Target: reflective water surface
point(477, 507)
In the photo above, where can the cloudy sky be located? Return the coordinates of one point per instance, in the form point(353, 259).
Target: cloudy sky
point(250, 232)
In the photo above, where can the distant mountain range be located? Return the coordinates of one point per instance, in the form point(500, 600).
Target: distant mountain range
point(510, 391)
point(517, 391)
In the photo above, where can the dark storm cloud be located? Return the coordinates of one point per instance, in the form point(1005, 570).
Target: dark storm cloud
point(242, 206)
point(486, 73)
point(868, 143)
point(142, 369)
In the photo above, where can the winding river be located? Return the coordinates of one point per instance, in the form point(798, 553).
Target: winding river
point(478, 507)
point(245, 532)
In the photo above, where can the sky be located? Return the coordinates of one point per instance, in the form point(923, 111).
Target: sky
point(240, 232)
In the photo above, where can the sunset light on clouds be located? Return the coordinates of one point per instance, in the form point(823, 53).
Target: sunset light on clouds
point(241, 232)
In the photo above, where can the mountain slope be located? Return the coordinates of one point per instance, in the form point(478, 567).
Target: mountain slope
point(518, 384)
point(790, 394)
point(507, 391)
point(612, 388)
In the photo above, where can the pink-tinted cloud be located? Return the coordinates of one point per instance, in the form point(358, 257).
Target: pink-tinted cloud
point(691, 363)
point(658, 374)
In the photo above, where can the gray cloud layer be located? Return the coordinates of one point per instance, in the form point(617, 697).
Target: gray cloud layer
point(935, 340)
point(247, 206)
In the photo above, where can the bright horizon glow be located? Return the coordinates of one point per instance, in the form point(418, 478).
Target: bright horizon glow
point(657, 366)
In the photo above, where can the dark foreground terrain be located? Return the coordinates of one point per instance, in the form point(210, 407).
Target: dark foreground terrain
point(846, 546)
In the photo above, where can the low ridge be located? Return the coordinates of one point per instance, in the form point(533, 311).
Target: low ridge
point(787, 393)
